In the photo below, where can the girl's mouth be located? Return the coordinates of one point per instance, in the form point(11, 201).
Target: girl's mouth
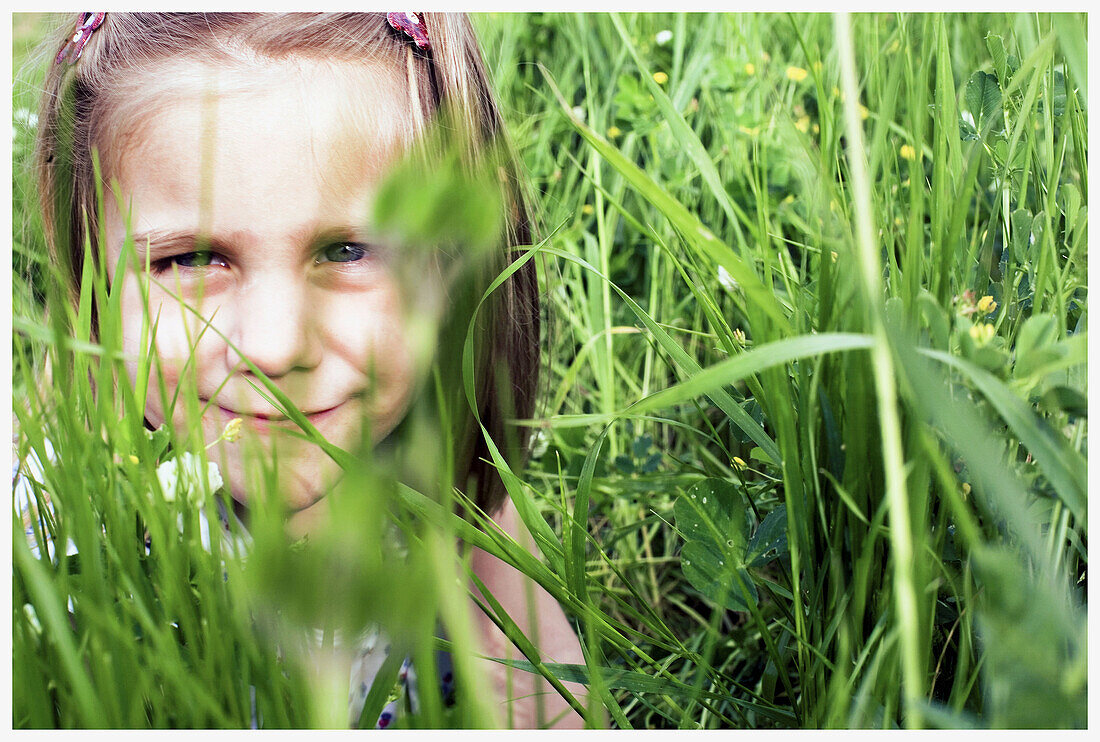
point(263, 421)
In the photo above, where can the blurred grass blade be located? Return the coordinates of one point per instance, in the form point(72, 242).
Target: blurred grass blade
point(1071, 35)
point(1066, 469)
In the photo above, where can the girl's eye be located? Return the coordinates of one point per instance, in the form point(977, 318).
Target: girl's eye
point(196, 259)
point(343, 252)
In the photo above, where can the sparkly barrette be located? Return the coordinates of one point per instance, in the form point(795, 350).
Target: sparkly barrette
point(412, 25)
point(85, 24)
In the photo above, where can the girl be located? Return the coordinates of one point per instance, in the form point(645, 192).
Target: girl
point(242, 152)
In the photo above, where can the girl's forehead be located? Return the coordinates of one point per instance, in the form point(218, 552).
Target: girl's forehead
point(366, 103)
point(271, 152)
point(236, 75)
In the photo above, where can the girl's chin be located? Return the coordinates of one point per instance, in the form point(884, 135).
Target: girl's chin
point(298, 491)
point(308, 519)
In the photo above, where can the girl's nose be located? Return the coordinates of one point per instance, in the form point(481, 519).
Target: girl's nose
point(273, 329)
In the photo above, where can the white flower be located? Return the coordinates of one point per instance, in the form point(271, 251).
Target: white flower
point(578, 111)
point(539, 444)
point(663, 37)
point(182, 476)
point(726, 279)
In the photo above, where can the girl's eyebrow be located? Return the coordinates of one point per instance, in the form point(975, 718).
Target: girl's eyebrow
point(350, 233)
point(159, 240)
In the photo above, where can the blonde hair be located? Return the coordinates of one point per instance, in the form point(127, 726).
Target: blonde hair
point(81, 104)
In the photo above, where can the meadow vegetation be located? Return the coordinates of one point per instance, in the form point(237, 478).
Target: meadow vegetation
point(811, 446)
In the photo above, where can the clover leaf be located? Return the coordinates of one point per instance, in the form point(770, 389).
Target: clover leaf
point(714, 521)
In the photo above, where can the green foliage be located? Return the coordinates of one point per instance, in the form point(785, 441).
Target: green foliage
point(983, 103)
point(712, 520)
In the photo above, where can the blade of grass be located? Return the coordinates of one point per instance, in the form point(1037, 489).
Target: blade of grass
point(901, 534)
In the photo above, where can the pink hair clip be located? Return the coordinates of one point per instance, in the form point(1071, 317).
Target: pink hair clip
point(85, 24)
point(412, 25)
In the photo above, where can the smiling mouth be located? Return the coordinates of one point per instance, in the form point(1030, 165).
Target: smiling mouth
point(264, 419)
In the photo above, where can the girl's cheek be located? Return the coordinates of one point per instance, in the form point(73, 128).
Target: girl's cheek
point(381, 336)
point(184, 343)
point(176, 335)
point(173, 321)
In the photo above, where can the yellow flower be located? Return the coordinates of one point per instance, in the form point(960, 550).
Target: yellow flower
point(966, 489)
point(232, 430)
point(833, 253)
point(739, 336)
point(739, 463)
point(750, 68)
point(863, 112)
point(986, 304)
point(660, 78)
point(797, 74)
point(982, 333)
point(587, 209)
point(613, 132)
point(908, 152)
point(817, 66)
point(803, 124)
point(134, 459)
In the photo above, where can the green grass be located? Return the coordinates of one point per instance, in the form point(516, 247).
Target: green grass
point(762, 278)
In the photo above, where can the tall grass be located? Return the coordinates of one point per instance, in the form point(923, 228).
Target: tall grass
point(917, 474)
point(793, 467)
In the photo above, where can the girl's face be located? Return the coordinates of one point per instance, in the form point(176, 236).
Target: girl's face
point(250, 192)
